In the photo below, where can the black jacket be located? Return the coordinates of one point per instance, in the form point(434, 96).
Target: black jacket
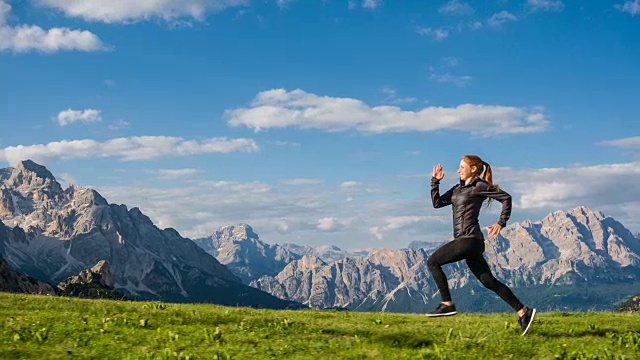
point(466, 201)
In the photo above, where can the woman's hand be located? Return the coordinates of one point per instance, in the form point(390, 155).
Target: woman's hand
point(437, 172)
point(494, 229)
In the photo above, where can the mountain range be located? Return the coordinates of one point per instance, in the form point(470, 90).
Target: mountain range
point(573, 260)
point(50, 233)
point(579, 259)
point(241, 250)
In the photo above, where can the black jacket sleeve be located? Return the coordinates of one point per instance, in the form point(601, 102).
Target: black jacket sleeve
point(487, 190)
point(437, 199)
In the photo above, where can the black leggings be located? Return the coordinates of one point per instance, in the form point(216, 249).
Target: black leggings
point(469, 249)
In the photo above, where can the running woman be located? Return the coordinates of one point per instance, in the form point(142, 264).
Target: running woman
point(466, 199)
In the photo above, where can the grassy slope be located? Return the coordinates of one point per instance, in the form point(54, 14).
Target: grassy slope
point(55, 328)
point(577, 298)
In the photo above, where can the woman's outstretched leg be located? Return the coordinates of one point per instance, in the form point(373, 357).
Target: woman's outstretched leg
point(479, 267)
point(481, 270)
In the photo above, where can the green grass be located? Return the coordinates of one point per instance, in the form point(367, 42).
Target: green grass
point(61, 328)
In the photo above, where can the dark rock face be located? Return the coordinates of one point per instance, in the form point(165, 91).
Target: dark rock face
point(12, 281)
point(94, 283)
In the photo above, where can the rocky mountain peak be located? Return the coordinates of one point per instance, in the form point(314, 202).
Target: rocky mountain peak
point(240, 249)
point(328, 253)
point(32, 180)
point(99, 275)
point(239, 232)
point(28, 172)
point(94, 283)
point(86, 196)
point(307, 262)
point(39, 170)
point(140, 217)
point(585, 212)
point(580, 214)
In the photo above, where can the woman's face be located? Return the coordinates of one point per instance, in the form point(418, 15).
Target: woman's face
point(465, 171)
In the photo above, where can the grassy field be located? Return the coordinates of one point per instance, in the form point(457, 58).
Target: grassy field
point(39, 327)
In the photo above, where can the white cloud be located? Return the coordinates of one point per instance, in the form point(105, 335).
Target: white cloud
point(283, 3)
point(545, 5)
point(283, 143)
point(178, 173)
point(70, 116)
point(392, 98)
point(458, 80)
point(398, 222)
point(117, 11)
point(590, 185)
point(630, 143)
point(451, 61)
point(297, 182)
point(371, 4)
point(456, 7)
point(393, 223)
point(496, 20)
point(254, 187)
point(224, 202)
point(119, 125)
point(436, 34)
point(128, 149)
point(629, 7)
point(475, 25)
point(5, 9)
point(403, 100)
point(610, 188)
point(469, 25)
point(350, 184)
point(279, 108)
point(26, 38)
point(332, 224)
point(389, 91)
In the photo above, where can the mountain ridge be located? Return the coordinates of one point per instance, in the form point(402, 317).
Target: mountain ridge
point(63, 232)
point(578, 246)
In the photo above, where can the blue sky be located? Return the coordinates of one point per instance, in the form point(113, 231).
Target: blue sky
point(318, 122)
